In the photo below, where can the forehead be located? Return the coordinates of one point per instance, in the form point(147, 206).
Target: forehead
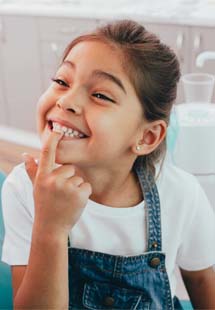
point(96, 55)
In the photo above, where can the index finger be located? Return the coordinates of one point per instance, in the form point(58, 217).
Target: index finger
point(48, 153)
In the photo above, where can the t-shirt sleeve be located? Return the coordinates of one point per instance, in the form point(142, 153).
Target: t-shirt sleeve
point(18, 220)
point(197, 249)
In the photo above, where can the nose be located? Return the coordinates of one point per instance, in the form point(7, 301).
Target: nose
point(72, 102)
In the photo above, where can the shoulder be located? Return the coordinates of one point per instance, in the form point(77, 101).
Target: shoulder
point(17, 187)
point(187, 218)
point(18, 216)
point(179, 190)
point(174, 178)
point(18, 177)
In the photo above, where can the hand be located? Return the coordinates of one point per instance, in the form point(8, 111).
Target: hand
point(59, 195)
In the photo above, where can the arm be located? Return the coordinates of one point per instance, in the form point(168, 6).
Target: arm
point(45, 281)
point(59, 197)
point(201, 287)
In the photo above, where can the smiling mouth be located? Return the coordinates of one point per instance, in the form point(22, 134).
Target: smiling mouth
point(69, 133)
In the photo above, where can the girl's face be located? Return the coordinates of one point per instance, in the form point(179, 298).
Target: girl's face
point(92, 94)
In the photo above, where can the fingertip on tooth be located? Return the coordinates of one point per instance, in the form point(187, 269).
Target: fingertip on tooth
point(68, 132)
point(56, 130)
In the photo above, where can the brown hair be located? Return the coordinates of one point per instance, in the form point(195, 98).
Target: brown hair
point(152, 67)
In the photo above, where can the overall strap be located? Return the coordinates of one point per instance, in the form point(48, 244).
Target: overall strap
point(152, 207)
point(68, 243)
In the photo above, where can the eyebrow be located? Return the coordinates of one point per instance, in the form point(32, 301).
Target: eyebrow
point(100, 74)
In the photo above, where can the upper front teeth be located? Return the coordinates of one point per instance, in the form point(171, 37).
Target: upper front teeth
point(68, 132)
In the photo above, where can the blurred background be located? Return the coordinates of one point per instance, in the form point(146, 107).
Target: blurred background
point(34, 33)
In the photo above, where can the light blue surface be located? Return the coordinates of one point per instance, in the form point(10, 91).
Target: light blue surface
point(172, 133)
point(5, 273)
point(186, 304)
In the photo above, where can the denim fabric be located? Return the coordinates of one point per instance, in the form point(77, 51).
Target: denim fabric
point(103, 281)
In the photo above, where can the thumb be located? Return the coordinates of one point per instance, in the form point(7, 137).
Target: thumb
point(30, 166)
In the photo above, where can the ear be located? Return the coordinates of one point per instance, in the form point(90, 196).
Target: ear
point(151, 137)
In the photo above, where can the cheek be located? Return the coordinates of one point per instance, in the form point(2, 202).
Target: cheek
point(109, 126)
point(107, 132)
point(116, 133)
point(102, 125)
point(44, 103)
point(43, 106)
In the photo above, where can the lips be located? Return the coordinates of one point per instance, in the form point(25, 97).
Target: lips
point(66, 124)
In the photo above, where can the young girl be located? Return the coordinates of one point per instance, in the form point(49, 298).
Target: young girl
point(101, 220)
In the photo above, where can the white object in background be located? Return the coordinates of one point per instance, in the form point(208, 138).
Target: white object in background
point(195, 148)
point(204, 56)
point(20, 136)
point(198, 87)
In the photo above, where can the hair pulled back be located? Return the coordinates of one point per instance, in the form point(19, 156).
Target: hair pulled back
point(152, 68)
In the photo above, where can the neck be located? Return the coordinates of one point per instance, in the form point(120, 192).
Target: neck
point(115, 187)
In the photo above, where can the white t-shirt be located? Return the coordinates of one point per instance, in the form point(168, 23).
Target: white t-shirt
point(187, 220)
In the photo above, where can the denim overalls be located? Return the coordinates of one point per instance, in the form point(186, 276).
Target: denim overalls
point(103, 281)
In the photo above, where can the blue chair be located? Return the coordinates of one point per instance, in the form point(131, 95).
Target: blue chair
point(6, 292)
point(172, 134)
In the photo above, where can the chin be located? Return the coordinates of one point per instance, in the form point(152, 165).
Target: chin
point(61, 159)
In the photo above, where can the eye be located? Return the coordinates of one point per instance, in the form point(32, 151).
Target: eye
point(60, 82)
point(103, 97)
